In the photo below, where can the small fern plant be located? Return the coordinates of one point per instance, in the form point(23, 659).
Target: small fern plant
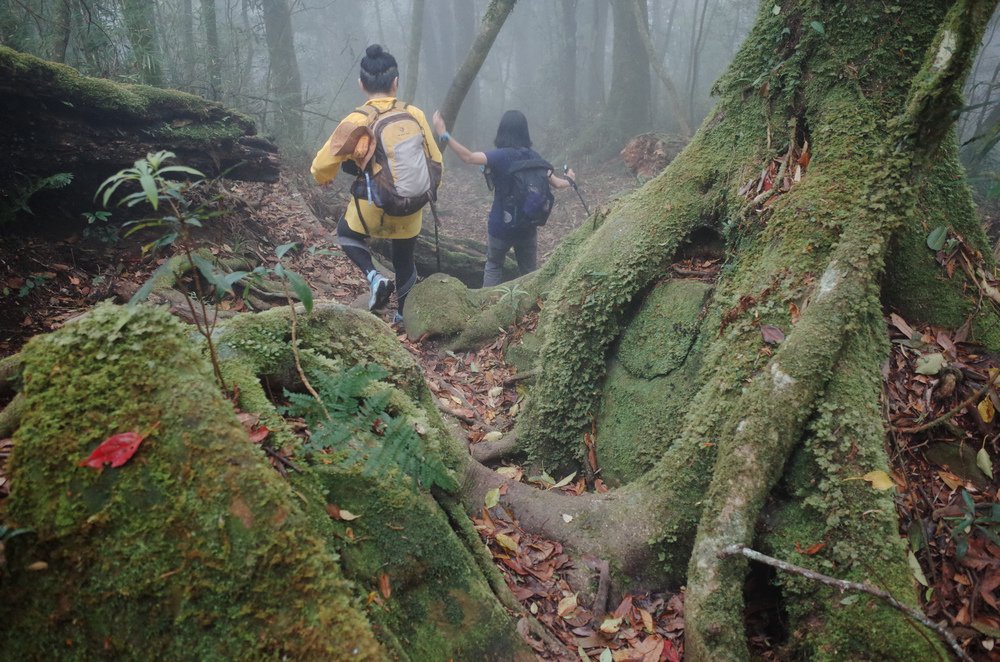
point(354, 418)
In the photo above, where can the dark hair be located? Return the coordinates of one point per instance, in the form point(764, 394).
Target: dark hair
point(513, 130)
point(378, 69)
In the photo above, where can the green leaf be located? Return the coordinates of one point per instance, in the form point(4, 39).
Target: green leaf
point(935, 240)
point(776, 10)
point(284, 248)
point(564, 482)
point(301, 289)
point(930, 364)
point(818, 27)
point(984, 462)
point(147, 287)
point(492, 497)
point(918, 573)
point(211, 274)
point(149, 188)
point(184, 169)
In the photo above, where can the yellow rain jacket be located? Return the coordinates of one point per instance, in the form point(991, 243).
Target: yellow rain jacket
point(342, 145)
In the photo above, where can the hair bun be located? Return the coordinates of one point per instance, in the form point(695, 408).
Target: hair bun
point(374, 51)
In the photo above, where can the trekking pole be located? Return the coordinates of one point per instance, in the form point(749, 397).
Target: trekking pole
point(572, 183)
point(437, 242)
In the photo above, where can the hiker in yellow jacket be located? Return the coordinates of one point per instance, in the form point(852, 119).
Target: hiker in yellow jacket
point(353, 146)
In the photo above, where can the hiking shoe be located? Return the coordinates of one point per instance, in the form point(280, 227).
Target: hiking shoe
point(381, 289)
point(397, 318)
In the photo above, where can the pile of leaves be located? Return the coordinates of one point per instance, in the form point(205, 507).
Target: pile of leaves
point(777, 177)
point(646, 628)
point(941, 405)
point(478, 388)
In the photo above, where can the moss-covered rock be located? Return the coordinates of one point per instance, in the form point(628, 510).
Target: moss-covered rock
point(194, 549)
point(650, 384)
point(440, 305)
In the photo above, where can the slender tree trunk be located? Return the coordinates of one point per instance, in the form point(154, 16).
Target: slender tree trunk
point(140, 22)
point(661, 71)
point(465, 32)
point(413, 55)
point(567, 70)
point(214, 61)
point(285, 84)
point(627, 111)
point(187, 45)
point(598, 46)
point(494, 18)
point(62, 30)
point(696, 43)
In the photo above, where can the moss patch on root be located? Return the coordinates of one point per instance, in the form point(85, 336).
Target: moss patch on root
point(439, 605)
point(195, 548)
point(651, 383)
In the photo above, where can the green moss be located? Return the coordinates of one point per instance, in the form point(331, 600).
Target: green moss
point(129, 103)
point(440, 606)
point(195, 548)
point(650, 385)
point(438, 306)
point(857, 524)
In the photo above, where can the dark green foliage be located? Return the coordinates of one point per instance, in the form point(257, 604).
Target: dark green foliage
point(355, 417)
point(18, 199)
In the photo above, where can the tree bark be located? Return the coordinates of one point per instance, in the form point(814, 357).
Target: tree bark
point(413, 54)
point(284, 81)
point(567, 70)
point(598, 44)
point(214, 59)
point(494, 18)
point(668, 83)
point(140, 24)
point(62, 30)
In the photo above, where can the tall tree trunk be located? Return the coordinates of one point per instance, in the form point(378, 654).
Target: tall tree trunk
point(214, 61)
point(413, 54)
point(494, 18)
point(697, 34)
point(704, 424)
point(465, 32)
point(598, 45)
point(285, 84)
point(567, 67)
point(140, 23)
point(668, 83)
point(62, 30)
point(627, 111)
point(187, 45)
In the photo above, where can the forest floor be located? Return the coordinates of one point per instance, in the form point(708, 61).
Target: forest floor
point(945, 492)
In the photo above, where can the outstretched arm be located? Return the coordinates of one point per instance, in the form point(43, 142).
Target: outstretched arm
point(558, 182)
point(463, 152)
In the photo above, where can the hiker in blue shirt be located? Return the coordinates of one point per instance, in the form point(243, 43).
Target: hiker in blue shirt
point(513, 146)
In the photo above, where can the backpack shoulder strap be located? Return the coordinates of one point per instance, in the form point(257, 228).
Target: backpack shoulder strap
point(529, 164)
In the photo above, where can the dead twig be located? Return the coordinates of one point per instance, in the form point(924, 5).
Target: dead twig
point(978, 395)
point(844, 585)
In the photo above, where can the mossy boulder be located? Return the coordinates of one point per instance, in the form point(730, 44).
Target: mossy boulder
point(194, 549)
point(440, 305)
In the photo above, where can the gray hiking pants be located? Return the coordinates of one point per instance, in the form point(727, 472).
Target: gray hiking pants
point(525, 250)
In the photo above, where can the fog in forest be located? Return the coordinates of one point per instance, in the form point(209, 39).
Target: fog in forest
point(553, 59)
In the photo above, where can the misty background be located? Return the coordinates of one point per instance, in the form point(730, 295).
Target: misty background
point(292, 65)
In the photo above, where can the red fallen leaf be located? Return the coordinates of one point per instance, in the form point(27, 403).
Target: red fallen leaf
point(116, 450)
point(772, 334)
point(811, 549)
point(259, 435)
point(383, 585)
